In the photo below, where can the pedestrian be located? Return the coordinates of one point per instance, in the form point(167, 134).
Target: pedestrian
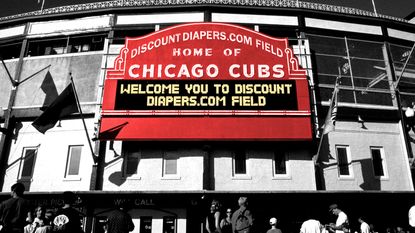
point(411, 216)
point(364, 227)
point(311, 226)
point(400, 229)
point(68, 219)
point(242, 220)
point(274, 229)
point(49, 216)
point(29, 224)
point(372, 228)
point(342, 222)
point(39, 224)
point(119, 221)
point(14, 211)
point(226, 223)
point(213, 218)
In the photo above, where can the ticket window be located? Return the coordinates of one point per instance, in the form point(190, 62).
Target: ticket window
point(169, 224)
point(145, 224)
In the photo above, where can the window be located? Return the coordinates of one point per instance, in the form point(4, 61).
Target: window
point(85, 43)
point(74, 161)
point(379, 163)
point(132, 157)
point(10, 50)
point(399, 56)
point(280, 32)
point(170, 163)
point(169, 224)
point(131, 164)
point(239, 162)
point(145, 224)
point(69, 44)
point(343, 161)
point(121, 34)
point(280, 163)
point(361, 64)
point(28, 163)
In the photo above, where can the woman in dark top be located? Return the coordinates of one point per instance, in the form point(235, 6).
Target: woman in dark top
point(213, 218)
point(226, 224)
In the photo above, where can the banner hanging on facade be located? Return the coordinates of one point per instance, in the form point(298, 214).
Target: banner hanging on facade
point(206, 81)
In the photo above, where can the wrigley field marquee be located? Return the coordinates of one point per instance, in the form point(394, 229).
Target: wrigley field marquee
point(194, 71)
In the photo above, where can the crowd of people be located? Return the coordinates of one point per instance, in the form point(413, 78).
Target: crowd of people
point(342, 224)
point(242, 221)
point(239, 221)
point(16, 216)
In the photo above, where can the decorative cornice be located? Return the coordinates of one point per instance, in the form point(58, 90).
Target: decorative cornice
point(118, 4)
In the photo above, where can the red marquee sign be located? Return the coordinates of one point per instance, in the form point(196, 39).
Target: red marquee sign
point(206, 81)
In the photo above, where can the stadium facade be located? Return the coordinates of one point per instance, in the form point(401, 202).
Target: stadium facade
point(145, 136)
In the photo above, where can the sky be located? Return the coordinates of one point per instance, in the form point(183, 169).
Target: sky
point(396, 8)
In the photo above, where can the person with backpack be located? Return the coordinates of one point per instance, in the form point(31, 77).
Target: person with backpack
point(68, 219)
point(242, 220)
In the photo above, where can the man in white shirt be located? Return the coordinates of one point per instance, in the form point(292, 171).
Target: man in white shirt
point(311, 226)
point(364, 227)
point(342, 223)
point(411, 216)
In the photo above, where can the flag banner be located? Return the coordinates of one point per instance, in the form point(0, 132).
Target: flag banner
point(64, 105)
point(49, 88)
point(330, 122)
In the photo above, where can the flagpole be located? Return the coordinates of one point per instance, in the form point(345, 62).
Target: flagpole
point(31, 76)
point(404, 66)
point(94, 157)
point(14, 82)
point(374, 8)
point(43, 4)
point(316, 156)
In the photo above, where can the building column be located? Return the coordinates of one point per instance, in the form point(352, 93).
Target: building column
point(208, 168)
point(9, 121)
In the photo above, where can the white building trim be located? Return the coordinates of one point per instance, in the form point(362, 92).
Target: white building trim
point(80, 25)
point(401, 34)
point(255, 19)
point(160, 18)
point(12, 31)
point(342, 26)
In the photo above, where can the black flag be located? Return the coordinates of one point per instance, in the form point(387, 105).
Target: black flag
point(64, 105)
point(49, 88)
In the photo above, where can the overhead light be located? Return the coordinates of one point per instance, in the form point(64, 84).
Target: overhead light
point(361, 121)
